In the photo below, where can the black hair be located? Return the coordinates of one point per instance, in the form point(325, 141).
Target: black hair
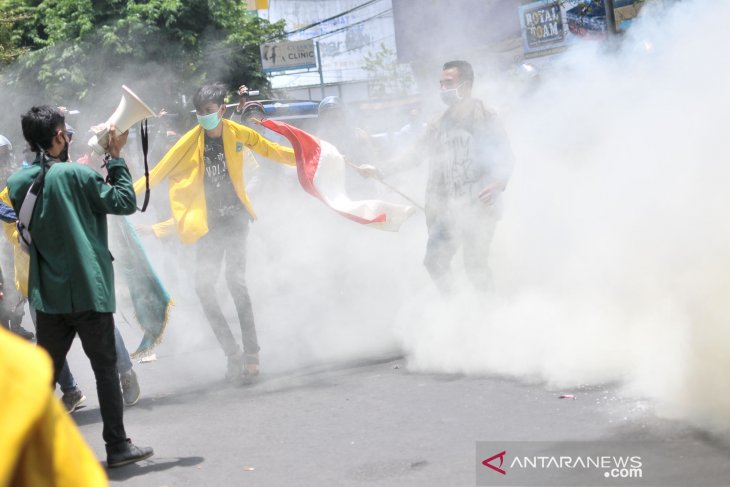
point(215, 92)
point(40, 125)
point(466, 73)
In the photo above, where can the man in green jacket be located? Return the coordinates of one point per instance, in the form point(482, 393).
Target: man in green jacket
point(71, 278)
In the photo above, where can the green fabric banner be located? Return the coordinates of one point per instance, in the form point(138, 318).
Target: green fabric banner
point(150, 299)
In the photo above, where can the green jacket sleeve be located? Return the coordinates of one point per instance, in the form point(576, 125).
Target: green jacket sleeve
point(117, 197)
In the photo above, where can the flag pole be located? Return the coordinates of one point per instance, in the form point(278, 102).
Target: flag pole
point(390, 187)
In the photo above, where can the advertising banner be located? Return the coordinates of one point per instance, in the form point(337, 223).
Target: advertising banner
point(354, 29)
point(288, 55)
point(625, 11)
point(550, 26)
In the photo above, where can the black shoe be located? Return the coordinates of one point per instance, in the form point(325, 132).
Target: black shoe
point(235, 367)
point(126, 453)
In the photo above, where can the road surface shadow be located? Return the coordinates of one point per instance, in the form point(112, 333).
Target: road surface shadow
point(154, 464)
point(311, 377)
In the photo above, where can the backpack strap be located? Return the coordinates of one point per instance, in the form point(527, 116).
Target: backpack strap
point(26, 209)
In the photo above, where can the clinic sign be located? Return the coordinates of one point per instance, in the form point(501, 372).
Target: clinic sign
point(288, 55)
point(542, 26)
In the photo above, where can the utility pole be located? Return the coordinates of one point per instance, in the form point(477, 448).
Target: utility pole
point(610, 17)
point(319, 68)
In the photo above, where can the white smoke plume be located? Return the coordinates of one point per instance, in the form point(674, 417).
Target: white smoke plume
point(611, 261)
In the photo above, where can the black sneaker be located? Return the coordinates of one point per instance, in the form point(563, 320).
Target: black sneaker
point(234, 370)
point(126, 453)
point(73, 400)
point(130, 388)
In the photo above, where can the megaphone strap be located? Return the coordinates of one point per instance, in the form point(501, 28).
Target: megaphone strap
point(145, 145)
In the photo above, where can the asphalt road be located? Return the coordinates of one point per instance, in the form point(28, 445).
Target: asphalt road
point(365, 422)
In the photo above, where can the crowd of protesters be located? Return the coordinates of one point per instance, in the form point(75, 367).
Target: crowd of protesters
point(59, 211)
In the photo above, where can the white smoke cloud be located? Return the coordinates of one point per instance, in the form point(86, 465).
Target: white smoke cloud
point(611, 258)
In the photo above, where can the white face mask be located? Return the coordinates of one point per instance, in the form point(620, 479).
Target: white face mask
point(452, 96)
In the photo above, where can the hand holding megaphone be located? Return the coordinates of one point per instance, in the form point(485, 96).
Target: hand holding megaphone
point(130, 111)
point(116, 141)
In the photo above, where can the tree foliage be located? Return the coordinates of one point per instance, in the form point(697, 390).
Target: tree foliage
point(10, 41)
point(72, 50)
point(387, 77)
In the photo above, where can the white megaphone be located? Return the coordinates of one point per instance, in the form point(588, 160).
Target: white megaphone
point(130, 111)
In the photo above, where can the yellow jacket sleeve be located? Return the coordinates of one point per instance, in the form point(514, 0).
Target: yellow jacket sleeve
point(164, 229)
point(175, 161)
point(21, 260)
point(268, 149)
point(40, 445)
point(184, 167)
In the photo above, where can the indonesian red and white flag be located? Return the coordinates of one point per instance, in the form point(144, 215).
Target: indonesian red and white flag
point(321, 170)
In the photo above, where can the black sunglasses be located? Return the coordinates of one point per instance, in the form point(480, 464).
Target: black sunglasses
point(69, 134)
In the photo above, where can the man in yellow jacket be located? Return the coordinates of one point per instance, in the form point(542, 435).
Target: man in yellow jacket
point(211, 210)
point(40, 444)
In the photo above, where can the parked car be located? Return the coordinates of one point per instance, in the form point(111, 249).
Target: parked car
point(301, 113)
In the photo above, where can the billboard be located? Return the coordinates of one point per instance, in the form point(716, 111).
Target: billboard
point(625, 11)
point(347, 30)
point(550, 26)
point(587, 19)
point(542, 24)
point(280, 56)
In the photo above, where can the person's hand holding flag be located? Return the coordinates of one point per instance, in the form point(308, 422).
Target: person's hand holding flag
point(367, 171)
point(321, 171)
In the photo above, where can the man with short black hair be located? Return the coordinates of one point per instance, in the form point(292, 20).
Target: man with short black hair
point(212, 210)
point(71, 278)
point(470, 162)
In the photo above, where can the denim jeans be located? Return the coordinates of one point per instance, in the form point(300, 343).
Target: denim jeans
point(96, 332)
point(124, 363)
point(472, 231)
point(226, 243)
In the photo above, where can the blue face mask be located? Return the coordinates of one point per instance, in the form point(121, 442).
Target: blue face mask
point(210, 121)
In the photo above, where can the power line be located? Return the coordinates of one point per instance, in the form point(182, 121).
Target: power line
point(229, 50)
point(342, 14)
point(384, 12)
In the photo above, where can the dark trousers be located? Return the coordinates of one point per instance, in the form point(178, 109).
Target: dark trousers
point(472, 231)
point(96, 331)
point(226, 243)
